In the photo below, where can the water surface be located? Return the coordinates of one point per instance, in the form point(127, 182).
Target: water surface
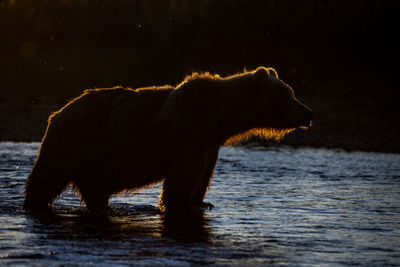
point(273, 206)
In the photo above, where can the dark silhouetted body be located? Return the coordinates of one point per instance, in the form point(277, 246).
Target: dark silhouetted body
point(115, 140)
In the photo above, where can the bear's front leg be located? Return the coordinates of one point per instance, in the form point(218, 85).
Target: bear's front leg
point(212, 158)
point(182, 183)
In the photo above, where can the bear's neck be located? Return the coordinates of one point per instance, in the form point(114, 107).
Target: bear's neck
point(232, 118)
point(211, 109)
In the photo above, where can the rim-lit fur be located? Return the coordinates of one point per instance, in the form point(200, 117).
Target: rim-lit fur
point(114, 140)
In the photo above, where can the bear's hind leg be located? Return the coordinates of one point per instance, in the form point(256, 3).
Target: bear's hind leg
point(42, 187)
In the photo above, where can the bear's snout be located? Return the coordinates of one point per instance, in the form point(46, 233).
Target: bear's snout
point(310, 117)
point(309, 114)
point(304, 115)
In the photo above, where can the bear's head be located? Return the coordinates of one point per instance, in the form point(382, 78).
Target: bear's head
point(275, 104)
point(271, 106)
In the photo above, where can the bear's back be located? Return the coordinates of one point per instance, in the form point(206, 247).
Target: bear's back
point(108, 113)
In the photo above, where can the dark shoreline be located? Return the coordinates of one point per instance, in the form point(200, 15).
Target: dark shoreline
point(339, 56)
point(338, 124)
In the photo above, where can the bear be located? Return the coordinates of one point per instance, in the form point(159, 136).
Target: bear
point(118, 140)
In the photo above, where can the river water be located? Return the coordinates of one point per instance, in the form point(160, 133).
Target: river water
point(272, 206)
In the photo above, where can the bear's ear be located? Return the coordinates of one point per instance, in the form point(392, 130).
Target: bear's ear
point(261, 72)
point(272, 73)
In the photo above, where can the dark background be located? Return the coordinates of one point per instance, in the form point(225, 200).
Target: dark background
point(341, 57)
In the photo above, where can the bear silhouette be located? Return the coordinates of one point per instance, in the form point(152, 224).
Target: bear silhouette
point(114, 140)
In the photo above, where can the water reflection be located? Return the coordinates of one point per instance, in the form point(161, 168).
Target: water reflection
point(194, 227)
point(124, 222)
point(278, 206)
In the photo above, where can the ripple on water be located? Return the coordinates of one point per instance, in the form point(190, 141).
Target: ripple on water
point(278, 206)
